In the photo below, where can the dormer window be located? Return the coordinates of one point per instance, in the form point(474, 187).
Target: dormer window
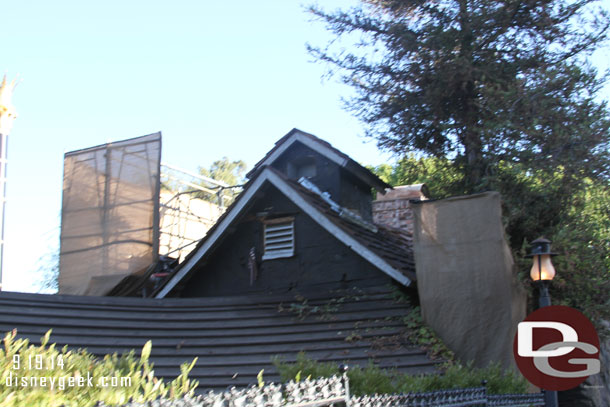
point(278, 238)
point(303, 167)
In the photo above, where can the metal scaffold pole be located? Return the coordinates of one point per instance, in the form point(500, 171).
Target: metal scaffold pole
point(7, 116)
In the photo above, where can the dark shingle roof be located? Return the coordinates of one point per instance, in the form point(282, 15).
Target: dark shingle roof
point(393, 248)
point(233, 337)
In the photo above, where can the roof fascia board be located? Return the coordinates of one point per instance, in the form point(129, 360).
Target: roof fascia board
point(269, 175)
point(343, 162)
point(318, 145)
point(309, 142)
point(225, 223)
point(339, 233)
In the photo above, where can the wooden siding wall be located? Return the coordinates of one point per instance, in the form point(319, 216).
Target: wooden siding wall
point(345, 189)
point(233, 337)
point(320, 259)
point(356, 195)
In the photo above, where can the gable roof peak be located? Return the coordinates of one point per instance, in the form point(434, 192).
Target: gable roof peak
point(382, 250)
point(324, 148)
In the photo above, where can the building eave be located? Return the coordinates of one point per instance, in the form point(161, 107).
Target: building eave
point(268, 175)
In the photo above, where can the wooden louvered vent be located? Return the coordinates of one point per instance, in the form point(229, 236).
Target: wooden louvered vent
point(279, 238)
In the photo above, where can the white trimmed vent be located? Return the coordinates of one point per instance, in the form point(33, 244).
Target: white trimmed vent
point(279, 238)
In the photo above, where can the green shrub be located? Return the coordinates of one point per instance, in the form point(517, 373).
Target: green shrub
point(53, 376)
point(459, 376)
point(367, 380)
point(422, 335)
point(371, 379)
point(304, 368)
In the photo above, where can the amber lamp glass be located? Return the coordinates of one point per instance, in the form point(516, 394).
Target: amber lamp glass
point(542, 268)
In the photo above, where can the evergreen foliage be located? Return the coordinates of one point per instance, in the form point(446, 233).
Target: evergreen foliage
point(484, 83)
point(225, 170)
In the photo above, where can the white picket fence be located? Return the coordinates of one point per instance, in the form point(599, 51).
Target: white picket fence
point(334, 391)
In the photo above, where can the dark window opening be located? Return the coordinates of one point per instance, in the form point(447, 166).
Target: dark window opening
point(303, 167)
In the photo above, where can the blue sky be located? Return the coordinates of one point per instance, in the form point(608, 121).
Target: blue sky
point(217, 78)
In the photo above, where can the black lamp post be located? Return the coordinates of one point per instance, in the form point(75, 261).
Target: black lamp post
point(542, 273)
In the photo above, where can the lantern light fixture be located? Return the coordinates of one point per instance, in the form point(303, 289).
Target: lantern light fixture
point(542, 267)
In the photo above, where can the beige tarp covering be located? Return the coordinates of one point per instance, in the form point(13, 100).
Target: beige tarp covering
point(465, 277)
point(110, 214)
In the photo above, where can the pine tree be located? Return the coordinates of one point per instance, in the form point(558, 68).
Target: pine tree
point(480, 82)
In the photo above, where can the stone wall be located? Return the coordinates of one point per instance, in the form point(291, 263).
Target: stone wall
point(393, 209)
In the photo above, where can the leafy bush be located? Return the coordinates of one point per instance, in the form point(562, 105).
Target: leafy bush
point(422, 335)
point(371, 379)
point(367, 380)
point(458, 376)
point(53, 376)
point(583, 264)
